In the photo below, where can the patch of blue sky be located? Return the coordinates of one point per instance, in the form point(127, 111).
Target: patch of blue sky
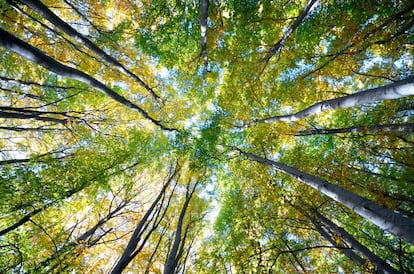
point(371, 62)
point(292, 73)
point(406, 61)
point(369, 21)
point(209, 193)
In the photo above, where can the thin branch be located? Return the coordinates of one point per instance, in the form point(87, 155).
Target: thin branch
point(279, 45)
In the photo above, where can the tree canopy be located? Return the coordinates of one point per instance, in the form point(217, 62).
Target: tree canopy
point(206, 136)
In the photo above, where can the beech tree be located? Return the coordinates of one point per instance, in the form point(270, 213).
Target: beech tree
point(392, 91)
point(378, 262)
point(131, 249)
point(329, 230)
point(33, 54)
point(405, 127)
point(206, 136)
point(180, 236)
point(385, 219)
point(51, 17)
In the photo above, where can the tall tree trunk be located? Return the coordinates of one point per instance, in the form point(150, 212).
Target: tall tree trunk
point(129, 252)
point(327, 235)
point(176, 251)
point(377, 261)
point(347, 252)
point(382, 217)
point(34, 115)
point(404, 127)
point(44, 11)
point(395, 90)
point(203, 27)
point(35, 55)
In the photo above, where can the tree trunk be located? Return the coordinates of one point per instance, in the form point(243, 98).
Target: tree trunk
point(44, 11)
point(395, 90)
point(176, 251)
point(382, 217)
point(203, 25)
point(404, 127)
point(377, 261)
point(35, 55)
point(38, 116)
point(347, 252)
point(129, 252)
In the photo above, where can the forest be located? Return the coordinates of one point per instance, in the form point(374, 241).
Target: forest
point(208, 136)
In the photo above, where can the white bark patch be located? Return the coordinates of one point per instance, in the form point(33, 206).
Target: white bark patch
point(392, 91)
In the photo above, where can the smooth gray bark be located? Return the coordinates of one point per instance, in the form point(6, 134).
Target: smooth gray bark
point(44, 11)
point(377, 261)
point(347, 252)
point(392, 91)
point(404, 127)
point(35, 55)
point(203, 27)
point(384, 218)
